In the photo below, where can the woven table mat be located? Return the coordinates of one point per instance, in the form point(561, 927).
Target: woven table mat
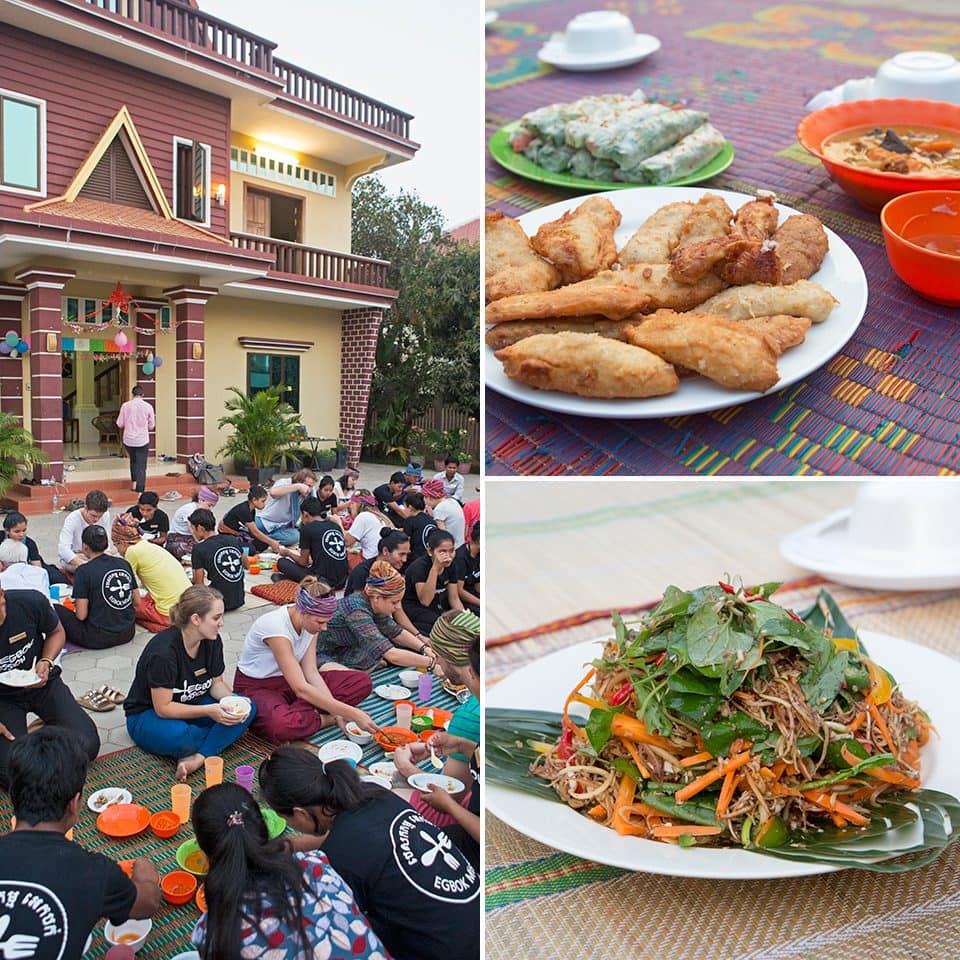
point(889, 402)
point(542, 903)
point(149, 779)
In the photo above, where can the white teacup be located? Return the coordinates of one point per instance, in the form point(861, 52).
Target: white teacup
point(598, 32)
point(919, 75)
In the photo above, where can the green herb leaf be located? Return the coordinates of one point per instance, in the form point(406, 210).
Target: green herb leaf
point(820, 686)
point(693, 811)
point(713, 641)
point(718, 737)
point(598, 727)
point(879, 760)
point(628, 767)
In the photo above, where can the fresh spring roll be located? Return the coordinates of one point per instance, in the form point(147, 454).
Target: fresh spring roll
point(690, 154)
point(550, 122)
point(608, 141)
point(657, 134)
point(585, 164)
point(554, 157)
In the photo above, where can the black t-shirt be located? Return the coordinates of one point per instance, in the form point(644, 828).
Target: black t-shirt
point(467, 569)
point(33, 553)
point(358, 577)
point(419, 892)
point(424, 617)
point(164, 664)
point(418, 528)
point(158, 524)
point(222, 559)
point(29, 620)
point(457, 833)
point(385, 496)
point(107, 583)
point(331, 502)
point(239, 515)
point(328, 551)
point(53, 893)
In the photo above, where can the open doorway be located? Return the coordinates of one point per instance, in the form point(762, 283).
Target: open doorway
point(276, 215)
point(93, 390)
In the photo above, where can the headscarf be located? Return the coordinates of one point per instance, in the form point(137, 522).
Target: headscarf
point(125, 529)
point(365, 500)
point(414, 471)
point(433, 488)
point(384, 581)
point(316, 606)
point(453, 635)
point(206, 495)
point(353, 474)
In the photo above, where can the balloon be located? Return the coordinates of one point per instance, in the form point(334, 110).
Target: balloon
point(4, 347)
point(148, 369)
point(12, 339)
point(23, 346)
point(150, 357)
point(158, 361)
point(120, 339)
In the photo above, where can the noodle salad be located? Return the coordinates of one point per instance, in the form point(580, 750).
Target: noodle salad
point(723, 719)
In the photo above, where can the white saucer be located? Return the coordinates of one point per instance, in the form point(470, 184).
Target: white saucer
point(555, 53)
point(825, 547)
point(391, 691)
point(113, 795)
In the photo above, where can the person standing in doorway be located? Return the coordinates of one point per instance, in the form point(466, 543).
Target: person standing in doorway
point(136, 419)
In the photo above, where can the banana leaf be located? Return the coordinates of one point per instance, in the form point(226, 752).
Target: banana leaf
point(512, 738)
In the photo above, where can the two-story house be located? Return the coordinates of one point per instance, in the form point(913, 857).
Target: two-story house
point(151, 152)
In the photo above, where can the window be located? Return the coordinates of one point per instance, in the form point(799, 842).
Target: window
point(22, 144)
point(191, 177)
point(305, 178)
point(115, 178)
point(266, 370)
point(95, 312)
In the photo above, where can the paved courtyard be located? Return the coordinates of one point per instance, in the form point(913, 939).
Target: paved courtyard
point(87, 669)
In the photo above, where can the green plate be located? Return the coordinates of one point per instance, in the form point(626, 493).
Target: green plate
point(275, 823)
point(507, 157)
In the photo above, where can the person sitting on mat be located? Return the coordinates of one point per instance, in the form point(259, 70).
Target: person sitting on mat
point(393, 546)
point(278, 671)
point(279, 518)
point(466, 571)
point(103, 591)
point(31, 637)
point(217, 556)
point(447, 512)
point(452, 478)
point(322, 550)
point(16, 573)
point(53, 892)
point(419, 891)
point(364, 522)
point(345, 486)
point(240, 521)
point(150, 518)
point(431, 588)
point(326, 493)
point(180, 540)
point(94, 510)
point(362, 633)
point(265, 900)
point(173, 707)
point(417, 526)
point(159, 573)
point(15, 528)
point(389, 498)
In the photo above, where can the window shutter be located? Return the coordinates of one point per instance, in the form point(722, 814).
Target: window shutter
point(97, 186)
point(199, 181)
point(115, 180)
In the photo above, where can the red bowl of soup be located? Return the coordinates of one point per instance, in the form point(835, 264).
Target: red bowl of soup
point(873, 176)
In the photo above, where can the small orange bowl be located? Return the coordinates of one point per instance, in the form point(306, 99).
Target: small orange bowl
point(165, 824)
point(178, 887)
point(873, 188)
point(427, 734)
point(126, 866)
point(201, 899)
point(400, 734)
point(918, 230)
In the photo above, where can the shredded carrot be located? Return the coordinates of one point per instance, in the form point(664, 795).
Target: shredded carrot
point(598, 811)
point(893, 776)
point(625, 794)
point(629, 728)
point(726, 792)
point(830, 803)
point(911, 756)
point(938, 146)
point(697, 758)
point(838, 821)
point(690, 830)
point(637, 810)
point(635, 756)
point(855, 723)
point(590, 702)
point(779, 790)
point(924, 727)
point(882, 727)
point(567, 722)
point(712, 776)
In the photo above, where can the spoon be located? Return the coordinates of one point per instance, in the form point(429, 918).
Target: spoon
point(434, 760)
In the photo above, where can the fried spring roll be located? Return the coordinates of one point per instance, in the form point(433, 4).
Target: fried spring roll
point(804, 298)
point(511, 265)
point(654, 240)
point(504, 334)
point(801, 246)
point(580, 244)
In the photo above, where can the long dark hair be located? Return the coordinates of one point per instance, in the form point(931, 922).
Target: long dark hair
point(246, 869)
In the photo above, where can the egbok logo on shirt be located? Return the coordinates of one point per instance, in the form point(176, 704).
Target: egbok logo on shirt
point(334, 545)
point(33, 922)
point(117, 589)
point(427, 530)
point(428, 859)
point(228, 562)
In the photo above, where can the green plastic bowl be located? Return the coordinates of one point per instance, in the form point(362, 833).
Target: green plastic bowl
point(185, 849)
point(275, 823)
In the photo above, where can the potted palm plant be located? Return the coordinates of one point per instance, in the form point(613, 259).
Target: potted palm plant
point(17, 450)
point(263, 426)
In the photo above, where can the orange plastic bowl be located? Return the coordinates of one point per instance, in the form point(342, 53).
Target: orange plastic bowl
point(427, 734)
point(911, 218)
point(201, 899)
point(126, 866)
point(123, 820)
point(870, 187)
point(397, 734)
point(165, 824)
point(178, 887)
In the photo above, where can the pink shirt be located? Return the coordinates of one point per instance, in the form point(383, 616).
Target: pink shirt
point(136, 420)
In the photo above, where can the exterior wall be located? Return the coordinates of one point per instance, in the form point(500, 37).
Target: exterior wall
point(227, 319)
point(358, 353)
point(84, 91)
point(326, 220)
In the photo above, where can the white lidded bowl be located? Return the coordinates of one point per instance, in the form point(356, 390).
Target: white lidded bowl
point(598, 32)
point(410, 678)
point(356, 735)
point(236, 706)
point(919, 75)
point(141, 928)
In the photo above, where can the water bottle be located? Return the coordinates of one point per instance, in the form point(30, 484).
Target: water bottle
point(56, 503)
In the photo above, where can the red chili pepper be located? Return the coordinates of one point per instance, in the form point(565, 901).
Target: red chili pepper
point(621, 695)
point(727, 588)
point(793, 616)
point(565, 748)
point(660, 659)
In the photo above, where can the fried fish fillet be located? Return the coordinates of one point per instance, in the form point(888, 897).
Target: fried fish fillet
point(804, 298)
point(782, 331)
point(722, 350)
point(710, 219)
point(757, 263)
point(756, 220)
point(512, 266)
point(654, 240)
point(580, 244)
point(801, 246)
point(504, 334)
point(588, 366)
point(688, 264)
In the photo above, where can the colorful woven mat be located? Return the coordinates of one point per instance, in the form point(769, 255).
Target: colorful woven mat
point(889, 402)
point(542, 903)
point(149, 779)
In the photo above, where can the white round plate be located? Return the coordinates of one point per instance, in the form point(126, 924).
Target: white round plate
point(379, 781)
point(19, 678)
point(825, 548)
point(423, 782)
point(924, 675)
point(383, 768)
point(112, 795)
point(841, 273)
point(555, 53)
point(391, 691)
point(340, 750)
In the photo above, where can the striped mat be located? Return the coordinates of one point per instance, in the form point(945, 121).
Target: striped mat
point(889, 402)
point(542, 903)
point(149, 779)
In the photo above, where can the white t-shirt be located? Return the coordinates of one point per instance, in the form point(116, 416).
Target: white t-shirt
point(256, 658)
point(451, 513)
point(70, 542)
point(452, 488)
point(278, 510)
point(366, 528)
point(25, 576)
point(179, 522)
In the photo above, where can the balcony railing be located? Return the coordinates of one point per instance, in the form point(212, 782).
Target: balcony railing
point(314, 263)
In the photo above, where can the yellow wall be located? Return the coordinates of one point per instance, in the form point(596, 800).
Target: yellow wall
point(326, 220)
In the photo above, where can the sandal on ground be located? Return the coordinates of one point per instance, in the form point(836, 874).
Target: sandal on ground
point(96, 703)
point(110, 693)
point(172, 495)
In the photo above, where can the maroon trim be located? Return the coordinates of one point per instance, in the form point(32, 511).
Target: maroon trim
point(288, 283)
point(11, 366)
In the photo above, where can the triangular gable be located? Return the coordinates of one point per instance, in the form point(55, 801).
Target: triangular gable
point(138, 155)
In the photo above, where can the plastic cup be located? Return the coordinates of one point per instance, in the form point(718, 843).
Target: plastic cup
point(55, 591)
point(244, 777)
point(254, 568)
point(404, 713)
point(213, 768)
point(425, 686)
point(180, 801)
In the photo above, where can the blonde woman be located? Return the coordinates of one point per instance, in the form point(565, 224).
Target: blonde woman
point(366, 522)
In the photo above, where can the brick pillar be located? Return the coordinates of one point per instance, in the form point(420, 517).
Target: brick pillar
point(44, 292)
point(359, 330)
point(147, 315)
point(189, 305)
point(11, 368)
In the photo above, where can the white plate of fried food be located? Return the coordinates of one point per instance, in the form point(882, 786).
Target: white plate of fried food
point(662, 302)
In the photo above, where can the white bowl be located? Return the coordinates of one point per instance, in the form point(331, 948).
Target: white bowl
point(141, 928)
point(598, 32)
point(356, 735)
point(906, 516)
point(919, 75)
point(379, 781)
point(340, 750)
point(236, 706)
point(410, 678)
